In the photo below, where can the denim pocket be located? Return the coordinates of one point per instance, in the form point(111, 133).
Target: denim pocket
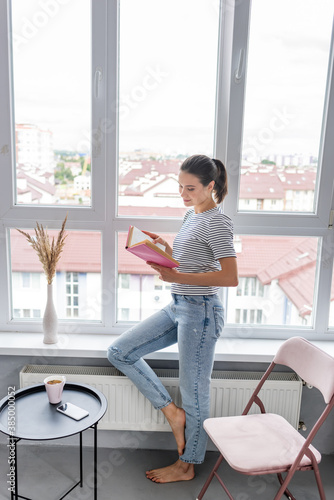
point(196, 300)
point(218, 313)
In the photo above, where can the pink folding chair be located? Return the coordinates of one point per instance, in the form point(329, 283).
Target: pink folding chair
point(266, 443)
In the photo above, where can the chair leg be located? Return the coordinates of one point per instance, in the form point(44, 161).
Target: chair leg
point(208, 481)
point(285, 483)
point(223, 486)
point(287, 492)
point(319, 481)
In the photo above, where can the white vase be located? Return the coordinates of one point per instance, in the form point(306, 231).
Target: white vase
point(50, 320)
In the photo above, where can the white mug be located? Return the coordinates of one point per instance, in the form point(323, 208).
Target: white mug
point(54, 390)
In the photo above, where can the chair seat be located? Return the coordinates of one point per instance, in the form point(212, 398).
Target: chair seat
point(257, 444)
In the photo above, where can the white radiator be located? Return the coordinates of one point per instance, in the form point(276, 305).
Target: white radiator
point(128, 409)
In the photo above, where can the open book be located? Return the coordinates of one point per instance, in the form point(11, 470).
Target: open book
point(142, 245)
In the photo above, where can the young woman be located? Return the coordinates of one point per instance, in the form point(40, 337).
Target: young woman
point(194, 318)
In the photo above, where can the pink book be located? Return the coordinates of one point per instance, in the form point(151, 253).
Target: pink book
point(140, 244)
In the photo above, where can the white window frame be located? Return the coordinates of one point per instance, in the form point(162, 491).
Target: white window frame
point(103, 216)
point(230, 108)
point(25, 216)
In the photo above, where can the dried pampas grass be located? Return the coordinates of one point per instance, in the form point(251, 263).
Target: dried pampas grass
point(48, 254)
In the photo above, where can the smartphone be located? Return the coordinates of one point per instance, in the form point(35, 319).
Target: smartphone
point(72, 411)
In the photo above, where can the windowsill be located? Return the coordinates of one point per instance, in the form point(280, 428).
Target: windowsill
point(95, 346)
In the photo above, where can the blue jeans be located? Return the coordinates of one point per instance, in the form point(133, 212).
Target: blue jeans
point(195, 322)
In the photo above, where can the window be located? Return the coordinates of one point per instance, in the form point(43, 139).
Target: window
point(168, 66)
point(116, 95)
point(124, 314)
point(249, 285)
point(26, 313)
point(52, 97)
point(124, 281)
point(282, 129)
point(30, 280)
point(249, 316)
point(160, 285)
point(72, 295)
point(26, 280)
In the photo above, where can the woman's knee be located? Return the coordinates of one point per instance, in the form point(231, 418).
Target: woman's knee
point(115, 355)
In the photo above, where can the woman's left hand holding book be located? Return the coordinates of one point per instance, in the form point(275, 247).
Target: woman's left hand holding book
point(165, 273)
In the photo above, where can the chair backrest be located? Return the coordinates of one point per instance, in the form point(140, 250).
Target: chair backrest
point(312, 364)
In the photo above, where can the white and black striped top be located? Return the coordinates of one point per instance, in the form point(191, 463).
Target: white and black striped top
point(202, 240)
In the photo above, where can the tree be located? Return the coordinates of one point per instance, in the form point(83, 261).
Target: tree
point(63, 174)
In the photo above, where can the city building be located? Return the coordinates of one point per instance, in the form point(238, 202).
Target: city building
point(34, 148)
point(277, 278)
point(34, 165)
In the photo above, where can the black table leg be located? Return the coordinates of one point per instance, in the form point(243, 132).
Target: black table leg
point(81, 459)
point(16, 476)
point(11, 490)
point(95, 461)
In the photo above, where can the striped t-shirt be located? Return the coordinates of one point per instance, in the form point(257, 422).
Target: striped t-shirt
point(202, 240)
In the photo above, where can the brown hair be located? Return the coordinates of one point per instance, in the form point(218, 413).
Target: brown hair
point(206, 170)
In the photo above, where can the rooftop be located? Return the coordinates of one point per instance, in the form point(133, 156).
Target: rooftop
point(290, 261)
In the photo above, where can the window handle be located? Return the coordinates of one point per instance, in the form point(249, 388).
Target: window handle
point(97, 80)
point(241, 65)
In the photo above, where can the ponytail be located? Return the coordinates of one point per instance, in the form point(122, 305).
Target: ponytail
point(220, 188)
point(207, 170)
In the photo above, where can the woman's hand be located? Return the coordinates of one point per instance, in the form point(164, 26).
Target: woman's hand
point(157, 239)
point(165, 273)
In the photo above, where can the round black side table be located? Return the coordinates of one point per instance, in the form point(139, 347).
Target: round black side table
point(36, 419)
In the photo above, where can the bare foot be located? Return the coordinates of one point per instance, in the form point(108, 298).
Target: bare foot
point(177, 420)
point(179, 471)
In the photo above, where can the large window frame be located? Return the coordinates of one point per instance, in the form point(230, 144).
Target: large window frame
point(103, 214)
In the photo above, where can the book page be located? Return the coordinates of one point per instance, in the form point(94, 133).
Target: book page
point(138, 236)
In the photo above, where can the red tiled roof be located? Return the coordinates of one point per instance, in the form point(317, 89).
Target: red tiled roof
point(303, 181)
point(81, 253)
point(291, 261)
point(145, 167)
point(152, 211)
point(131, 192)
point(261, 186)
point(23, 191)
point(35, 195)
point(302, 254)
point(258, 252)
point(269, 184)
point(297, 286)
point(28, 126)
point(47, 186)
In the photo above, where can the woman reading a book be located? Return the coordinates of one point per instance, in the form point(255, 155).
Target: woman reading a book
point(194, 318)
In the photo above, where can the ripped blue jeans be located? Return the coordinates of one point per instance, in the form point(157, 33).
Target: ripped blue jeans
point(195, 322)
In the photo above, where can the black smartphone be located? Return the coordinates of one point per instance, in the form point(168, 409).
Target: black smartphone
point(72, 411)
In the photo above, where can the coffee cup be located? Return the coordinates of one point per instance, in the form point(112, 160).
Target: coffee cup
point(54, 387)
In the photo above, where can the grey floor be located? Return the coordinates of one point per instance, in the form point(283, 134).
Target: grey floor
point(45, 473)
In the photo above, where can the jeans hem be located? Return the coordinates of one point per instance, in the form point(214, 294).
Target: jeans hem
point(164, 405)
point(195, 462)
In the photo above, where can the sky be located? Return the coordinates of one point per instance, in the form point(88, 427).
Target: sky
point(168, 62)
point(287, 70)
